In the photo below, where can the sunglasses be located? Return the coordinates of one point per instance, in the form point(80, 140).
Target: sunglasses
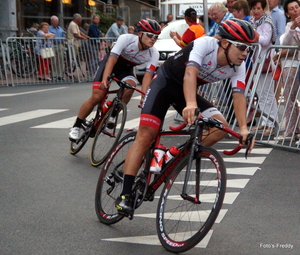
point(241, 46)
point(150, 35)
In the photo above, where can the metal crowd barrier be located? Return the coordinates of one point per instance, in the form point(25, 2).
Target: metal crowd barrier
point(271, 100)
point(73, 61)
point(276, 99)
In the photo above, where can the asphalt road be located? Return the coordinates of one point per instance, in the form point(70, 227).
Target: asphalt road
point(47, 195)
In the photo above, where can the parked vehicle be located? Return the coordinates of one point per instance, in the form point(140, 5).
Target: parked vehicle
point(164, 44)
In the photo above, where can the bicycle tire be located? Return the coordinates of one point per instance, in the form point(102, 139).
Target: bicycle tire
point(106, 138)
point(75, 147)
point(182, 224)
point(110, 182)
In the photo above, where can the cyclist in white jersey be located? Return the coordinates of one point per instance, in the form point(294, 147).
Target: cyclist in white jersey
point(204, 60)
point(130, 50)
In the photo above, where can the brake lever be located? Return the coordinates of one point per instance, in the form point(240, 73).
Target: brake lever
point(248, 142)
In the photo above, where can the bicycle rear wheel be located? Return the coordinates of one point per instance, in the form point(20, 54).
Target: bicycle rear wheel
point(108, 133)
point(182, 224)
point(110, 182)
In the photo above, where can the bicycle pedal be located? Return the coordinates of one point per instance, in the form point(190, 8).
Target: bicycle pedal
point(128, 215)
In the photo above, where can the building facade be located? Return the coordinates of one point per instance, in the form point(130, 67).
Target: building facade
point(23, 13)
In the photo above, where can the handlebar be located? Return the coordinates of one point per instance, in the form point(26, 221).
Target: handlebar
point(122, 84)
point(212, 122)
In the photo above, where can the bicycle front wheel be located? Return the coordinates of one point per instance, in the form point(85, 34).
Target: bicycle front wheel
point(182, 223)
point(108, 133)
point(110, 182)
point(76, 146)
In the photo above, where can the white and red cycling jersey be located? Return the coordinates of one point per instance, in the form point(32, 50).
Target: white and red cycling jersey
point(127, 50)
point(202, 53)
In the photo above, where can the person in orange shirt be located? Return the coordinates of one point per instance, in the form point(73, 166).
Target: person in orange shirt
point(193, 32)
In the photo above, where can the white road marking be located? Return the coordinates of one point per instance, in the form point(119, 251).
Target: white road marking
point(153, 240)
point(29, 92)
point(15, 118)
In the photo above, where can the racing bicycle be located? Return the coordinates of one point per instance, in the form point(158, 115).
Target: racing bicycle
point(193, 184)
point(106, 126)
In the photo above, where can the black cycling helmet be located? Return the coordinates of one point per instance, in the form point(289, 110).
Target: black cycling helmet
point(148, 25)
point(237, 30)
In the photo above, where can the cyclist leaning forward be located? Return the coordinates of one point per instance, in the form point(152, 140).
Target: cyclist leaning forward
point(204, 60)
point(130, 50)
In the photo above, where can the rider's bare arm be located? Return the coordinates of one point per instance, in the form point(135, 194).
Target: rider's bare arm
point(190, 91)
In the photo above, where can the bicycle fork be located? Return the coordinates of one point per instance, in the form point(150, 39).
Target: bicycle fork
point(184, 195)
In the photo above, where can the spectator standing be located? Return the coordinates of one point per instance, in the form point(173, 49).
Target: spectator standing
point(116, 29)
point(201, 22)
point(229, 5)
point(241, 10)
point(94, 32)
point(85, 28)
point(279, 19)
point(57, 63)
point(219, 13)
point(131, 30)
point(43, 69)
point(264, 26)
point(75, 33)
point(169, 18)
point(192, 32)
point(289, 66)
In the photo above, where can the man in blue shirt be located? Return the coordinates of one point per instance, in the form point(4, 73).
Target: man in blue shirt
point(278, 19)
point(57, 63)
point(94, 32)
point(116, 29)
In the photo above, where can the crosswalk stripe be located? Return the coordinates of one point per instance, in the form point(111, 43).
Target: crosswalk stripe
point(3, 109)
point(235, 183)
point(28, 115)
point(68, 122)
point(256, 150)
point(208, 198)
point(29, 92)
point(153, 240)
point(187, 217)
point(249, 160)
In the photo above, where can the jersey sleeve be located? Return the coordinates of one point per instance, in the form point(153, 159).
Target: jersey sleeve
point(152, 64)
point(198, 53)
point(238, 80)
point(121, 42)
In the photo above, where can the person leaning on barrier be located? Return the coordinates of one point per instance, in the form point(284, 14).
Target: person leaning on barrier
point(116, 29)
point(130, 50)
point(205, 60)
point(192, 32)
point(57, 63)
point(289, 65)
point(264, 26)
point(44, 63)
point(75, 33)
